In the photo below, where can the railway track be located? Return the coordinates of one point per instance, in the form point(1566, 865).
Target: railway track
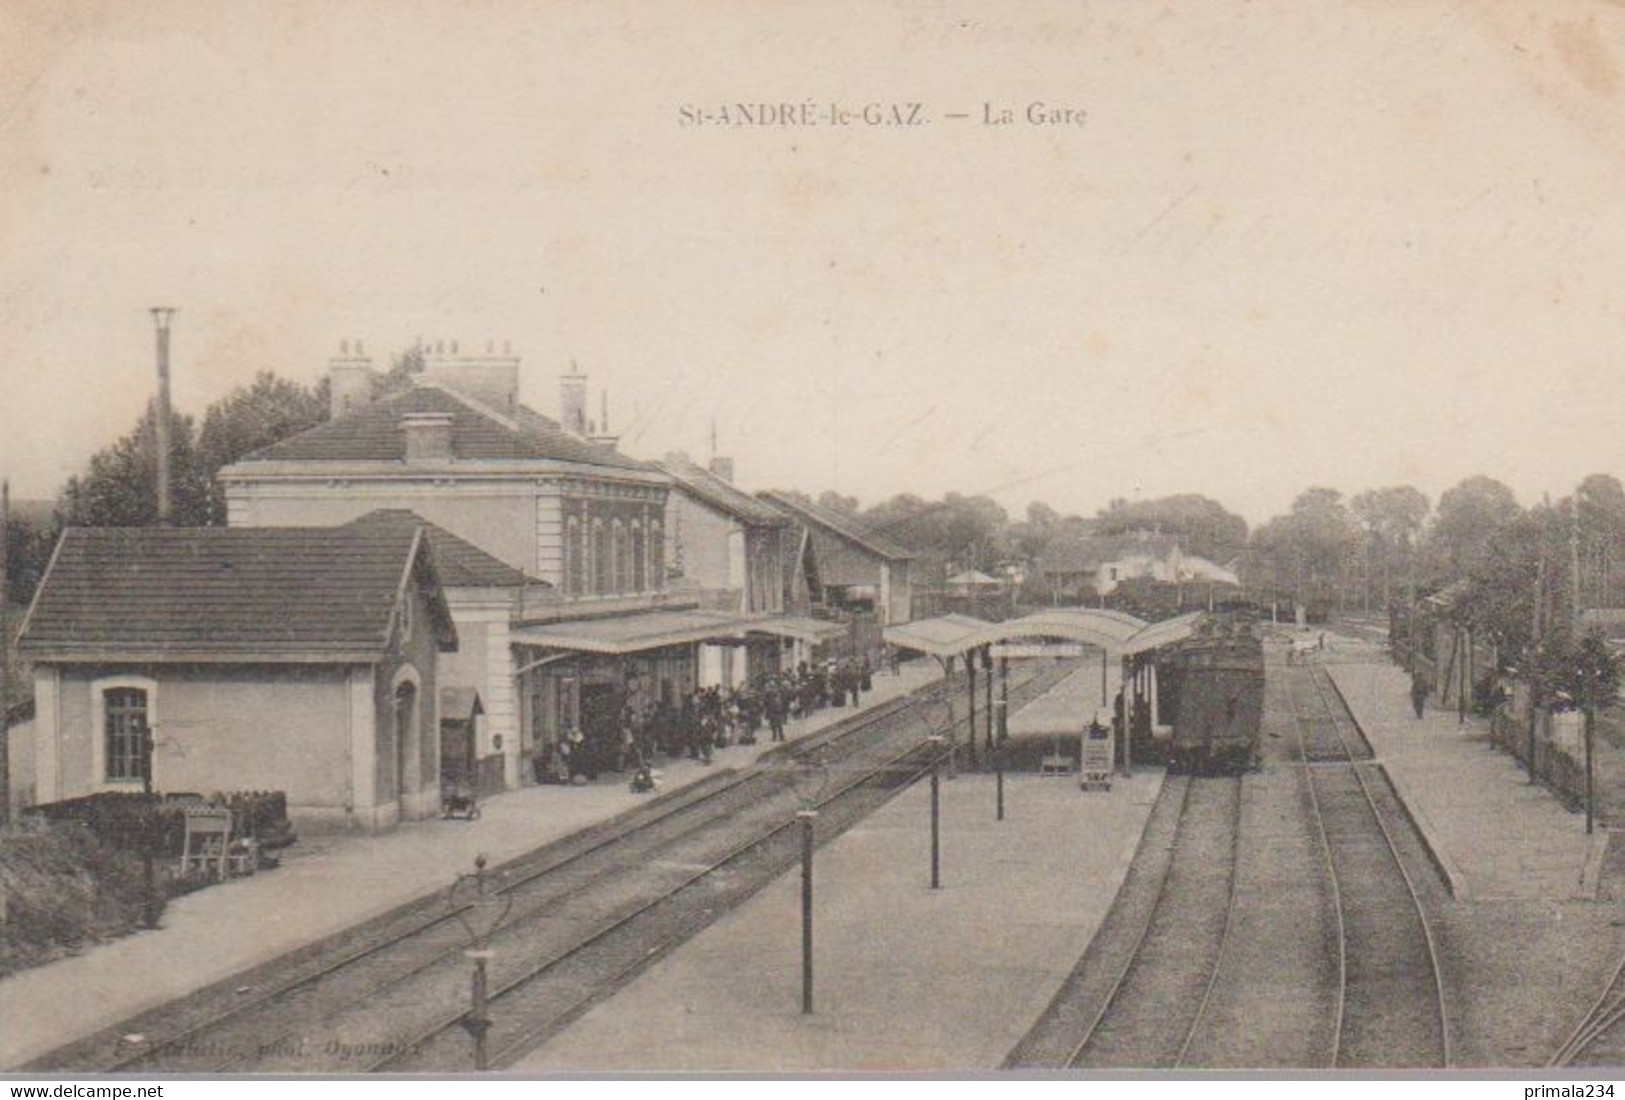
point(1598, 1039)
point(1142, 989)
point(1390, 1009)
point(584, 912)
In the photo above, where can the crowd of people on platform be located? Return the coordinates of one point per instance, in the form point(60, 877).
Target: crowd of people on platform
point(703, 721)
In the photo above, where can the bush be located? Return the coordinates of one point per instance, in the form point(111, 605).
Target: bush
point(150, 824)
point(64, 889)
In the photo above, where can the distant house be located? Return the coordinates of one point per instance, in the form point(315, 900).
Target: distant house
point(1078, 570)
point(300, 659)
point(856, 568)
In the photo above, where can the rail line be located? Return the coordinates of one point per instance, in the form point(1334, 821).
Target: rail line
point(1224, 934)
point(423, 940)
point(1597, 1024)
point(1160, 995)
point(1385, 979)
point(542, 1012)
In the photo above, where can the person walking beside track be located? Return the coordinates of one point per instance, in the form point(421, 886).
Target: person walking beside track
point(1420, 687)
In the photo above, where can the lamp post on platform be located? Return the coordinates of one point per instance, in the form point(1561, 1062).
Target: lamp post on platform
point(937, 742)
point(814, 780)
point(481, 911)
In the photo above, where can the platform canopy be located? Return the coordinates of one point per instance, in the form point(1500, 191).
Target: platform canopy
point(1115, 632)
point(635, 633)
point(943, 636)
point(799, 627)
point(1167, 632)
point(1108, 630)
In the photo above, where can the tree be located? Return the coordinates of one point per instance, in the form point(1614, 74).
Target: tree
point(404, 367)
point(264, 412)
point(1203, 526)
point(29, 542)
point(966, 530)
point(1470, 517)
point(1393, 518)
point(1601, 500)
point(838, 502)
point(1307, 551)
point(120, 487)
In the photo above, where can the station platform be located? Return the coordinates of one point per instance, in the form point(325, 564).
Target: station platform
point(1495, 835)
point(329, 883)
point(1068, 705)
point(907, 979)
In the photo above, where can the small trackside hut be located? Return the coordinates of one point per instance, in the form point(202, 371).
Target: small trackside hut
point(294, 659)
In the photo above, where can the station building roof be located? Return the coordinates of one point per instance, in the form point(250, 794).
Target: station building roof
point(721, 494)
point(373, 433)
point(458, 563)
point(234, 594)
point(838, 524)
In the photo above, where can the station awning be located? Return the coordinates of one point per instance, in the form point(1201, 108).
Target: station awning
point(1166, 632)
point(800, 628)
point(1109, 630)
point(625, 634)
point(944, 636)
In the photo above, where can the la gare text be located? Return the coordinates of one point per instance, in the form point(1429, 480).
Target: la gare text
point(896, 114)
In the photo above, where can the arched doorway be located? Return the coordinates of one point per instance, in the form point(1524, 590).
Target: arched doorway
point(406, 737)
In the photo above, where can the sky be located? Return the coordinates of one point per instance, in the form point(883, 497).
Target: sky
point(1347, 244)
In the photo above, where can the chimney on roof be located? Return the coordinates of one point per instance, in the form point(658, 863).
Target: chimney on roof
point(491, 379)
point(573, 400)
point(720, 466)
point(350, 380)
point(600, 432)
point(428, 436)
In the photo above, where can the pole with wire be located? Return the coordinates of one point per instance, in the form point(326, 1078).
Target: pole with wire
point(807, 818)
point(161, 318)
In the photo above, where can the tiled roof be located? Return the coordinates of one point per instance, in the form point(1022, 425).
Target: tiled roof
point(721, 495)
point(457, 563)
point(837, 523)
point(460, 704)
point(211, 593)
point(373, 433)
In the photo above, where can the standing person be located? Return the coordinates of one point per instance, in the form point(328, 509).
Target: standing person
point(854, 682)
point(1420, 688)
point(664, 725)
point(866, 675)
point(777, 705)
point(688, 728)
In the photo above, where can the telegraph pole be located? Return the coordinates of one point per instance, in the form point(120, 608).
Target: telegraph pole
point(161, 316)
point(1574, 561)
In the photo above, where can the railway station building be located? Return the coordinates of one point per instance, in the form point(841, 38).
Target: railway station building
point(856, 569)
point(585, 579)
point(298, 659)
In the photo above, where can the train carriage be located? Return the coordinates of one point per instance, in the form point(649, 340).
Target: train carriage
point(1218, 677)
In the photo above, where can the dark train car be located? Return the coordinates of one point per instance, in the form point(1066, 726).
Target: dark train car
point(1219, 716)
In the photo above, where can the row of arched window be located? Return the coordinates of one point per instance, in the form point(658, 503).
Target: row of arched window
point(604, 557)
